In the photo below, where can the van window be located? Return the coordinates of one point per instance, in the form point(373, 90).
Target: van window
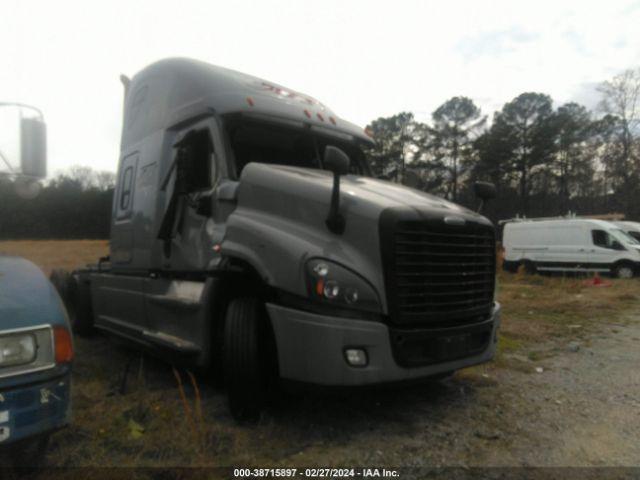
point(634, 234)
point(602, 238)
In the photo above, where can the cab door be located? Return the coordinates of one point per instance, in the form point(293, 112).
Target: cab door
point(118, 300)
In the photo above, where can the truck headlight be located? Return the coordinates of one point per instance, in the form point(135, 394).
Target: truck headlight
point(17, 349)
point(331, 283)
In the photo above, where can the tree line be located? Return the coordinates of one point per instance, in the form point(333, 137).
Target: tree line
point(544, 161)
point(74, 204)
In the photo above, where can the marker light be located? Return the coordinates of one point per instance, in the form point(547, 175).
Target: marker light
point(307, 113)
point(64, 344)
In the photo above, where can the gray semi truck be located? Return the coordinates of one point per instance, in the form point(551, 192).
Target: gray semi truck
point(248, 235)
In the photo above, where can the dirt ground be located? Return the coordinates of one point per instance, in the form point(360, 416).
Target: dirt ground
point(569, 396)
point(581, 409)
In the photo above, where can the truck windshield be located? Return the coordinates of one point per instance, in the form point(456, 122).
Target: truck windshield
point(253, 141)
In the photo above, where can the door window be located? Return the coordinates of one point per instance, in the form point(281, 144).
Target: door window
point(604, 239)
point(127, 183)
point(196, 166)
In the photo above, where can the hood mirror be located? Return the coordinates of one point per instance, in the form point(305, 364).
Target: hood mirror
point(336, 161)
point(485, 191)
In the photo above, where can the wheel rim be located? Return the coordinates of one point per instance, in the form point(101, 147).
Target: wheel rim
point(625, 272)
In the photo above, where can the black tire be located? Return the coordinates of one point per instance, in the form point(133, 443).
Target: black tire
point(623, 270)
point(510, 267)
point(61, 280)
point(76, 296)
point(245, 358)
point(529, 267)
point(82, 321)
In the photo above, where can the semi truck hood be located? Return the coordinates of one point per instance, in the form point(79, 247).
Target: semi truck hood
point(274, 187)
point(279, 222)
point(26, 296)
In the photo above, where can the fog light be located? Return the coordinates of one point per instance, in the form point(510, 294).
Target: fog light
point(356, 357)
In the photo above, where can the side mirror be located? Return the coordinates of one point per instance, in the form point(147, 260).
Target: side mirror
point(484, 190)
point(336, 161)
point(33, 147)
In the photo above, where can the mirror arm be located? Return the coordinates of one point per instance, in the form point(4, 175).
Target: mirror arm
point(335, 221)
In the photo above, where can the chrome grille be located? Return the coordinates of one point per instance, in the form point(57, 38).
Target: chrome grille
point(438, 274)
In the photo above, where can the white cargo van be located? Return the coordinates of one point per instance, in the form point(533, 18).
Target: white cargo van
point(570, 245)
point(632, 228)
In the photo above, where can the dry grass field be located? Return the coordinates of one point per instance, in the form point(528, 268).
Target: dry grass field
point(161, 420)
point(50, 254)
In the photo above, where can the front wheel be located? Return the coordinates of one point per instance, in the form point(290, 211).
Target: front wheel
point(245, 358)
point(623, 270)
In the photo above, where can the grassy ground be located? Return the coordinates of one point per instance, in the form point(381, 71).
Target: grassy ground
point(164, 418)
point(50, 254)
point(539, 311)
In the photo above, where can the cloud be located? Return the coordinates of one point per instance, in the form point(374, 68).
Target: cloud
point(493, 43)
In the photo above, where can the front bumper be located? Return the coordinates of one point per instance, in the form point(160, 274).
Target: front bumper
point(33, 410)
point(311, 350)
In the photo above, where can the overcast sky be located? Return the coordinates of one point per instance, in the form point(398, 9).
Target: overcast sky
point(364, 59)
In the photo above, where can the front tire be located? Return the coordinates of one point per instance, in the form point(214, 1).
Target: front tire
point(623, 270)
point(245, 358)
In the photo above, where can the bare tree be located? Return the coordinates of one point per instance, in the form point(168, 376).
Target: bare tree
point(621, 100)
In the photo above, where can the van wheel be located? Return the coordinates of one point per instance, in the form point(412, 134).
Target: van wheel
point(528, 267)
point(623, 270)
point(245, 359)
